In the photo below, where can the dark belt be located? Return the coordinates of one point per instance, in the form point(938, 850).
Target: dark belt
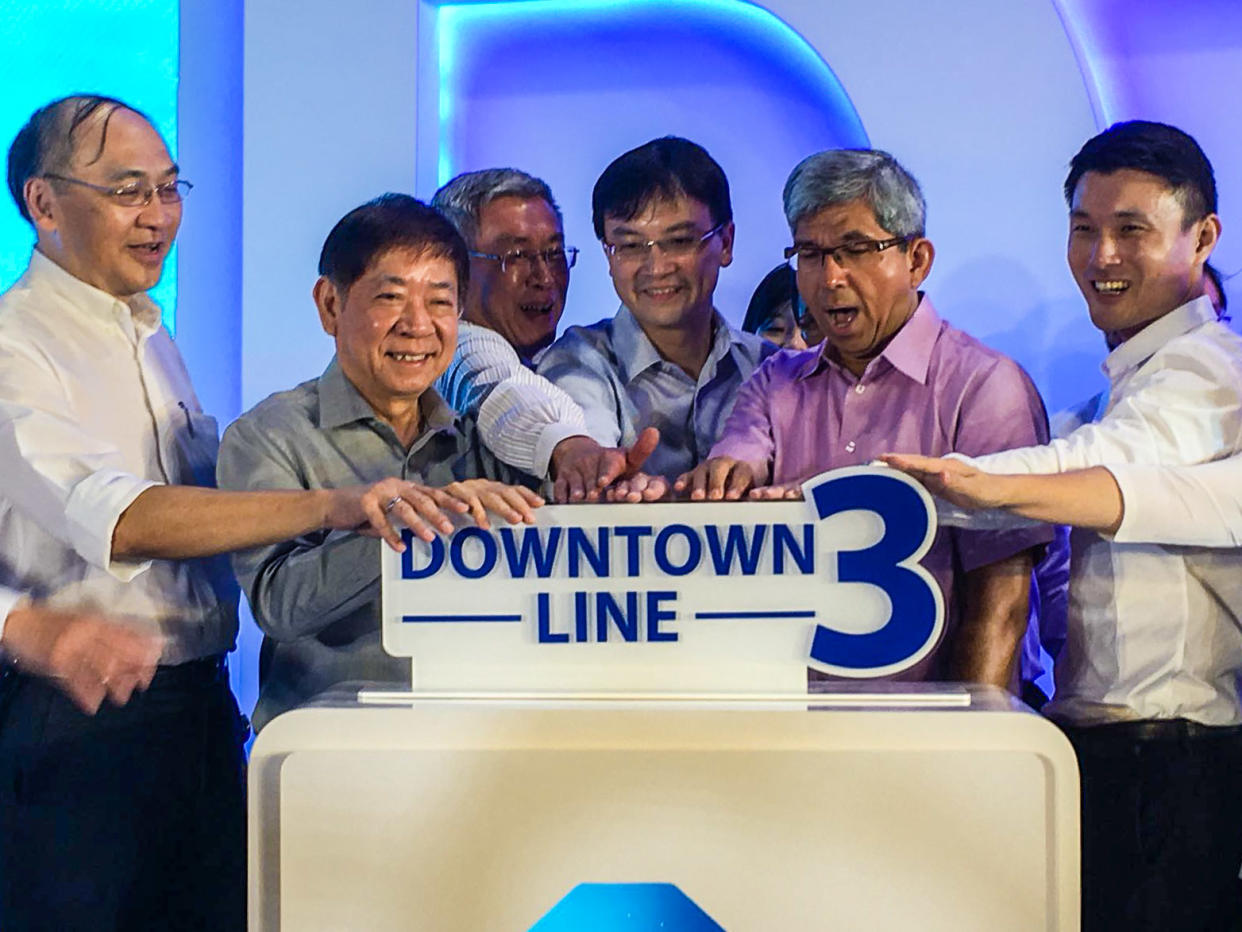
point(1153, 729)
point(203, 671)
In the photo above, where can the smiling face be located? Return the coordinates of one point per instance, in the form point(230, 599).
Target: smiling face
point(395, 329)
point(524, 302)
point(1129, 252)
point(860, 305)
point(663, 291)
point(119, 250)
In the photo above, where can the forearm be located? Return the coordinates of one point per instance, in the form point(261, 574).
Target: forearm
point(1087, 498)
point(171, 522)
point(996, 601)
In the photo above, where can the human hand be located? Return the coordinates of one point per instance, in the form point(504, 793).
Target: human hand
point(514, 503)
point(583, 468)
point(789, 491)
point(373, 509)
point(721, 477)
point(952, 480)
point(89, 657)
point(639, 487)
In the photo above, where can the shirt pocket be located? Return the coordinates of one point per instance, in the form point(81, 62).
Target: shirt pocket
point(194, 443)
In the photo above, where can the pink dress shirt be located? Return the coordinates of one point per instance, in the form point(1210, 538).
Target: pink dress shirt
point(933, 390)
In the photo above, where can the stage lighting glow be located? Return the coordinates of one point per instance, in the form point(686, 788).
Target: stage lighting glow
point(756, 31)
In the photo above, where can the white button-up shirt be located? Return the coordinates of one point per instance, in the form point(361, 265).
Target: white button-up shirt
point(1194, 505)
point(96, 407)
point(1153, 630)
point(521, 416)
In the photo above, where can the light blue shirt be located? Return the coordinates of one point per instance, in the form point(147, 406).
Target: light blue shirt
point(624, 385)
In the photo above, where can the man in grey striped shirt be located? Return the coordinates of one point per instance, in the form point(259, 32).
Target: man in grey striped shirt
point(519, 274)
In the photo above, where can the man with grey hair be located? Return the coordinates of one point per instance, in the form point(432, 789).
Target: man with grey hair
point(889, 375)
point(129, 814)
point(519, 275)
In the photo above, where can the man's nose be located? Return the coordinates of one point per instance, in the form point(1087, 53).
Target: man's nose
point(415, 319)
point(1104, 251)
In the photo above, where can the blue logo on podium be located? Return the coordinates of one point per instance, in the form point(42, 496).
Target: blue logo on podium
point(626, 907)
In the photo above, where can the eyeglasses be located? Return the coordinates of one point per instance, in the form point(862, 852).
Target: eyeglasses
point(675, 247)
point(522, 261)
point(135, 195)
point(847, 255)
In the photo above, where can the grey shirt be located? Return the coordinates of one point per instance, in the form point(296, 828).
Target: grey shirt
point(316, 598)
point(624, 385)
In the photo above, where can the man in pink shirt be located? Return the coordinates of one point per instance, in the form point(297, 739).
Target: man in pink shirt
point(890, 375)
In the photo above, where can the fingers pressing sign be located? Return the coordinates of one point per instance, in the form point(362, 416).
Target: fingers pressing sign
point(583, 468)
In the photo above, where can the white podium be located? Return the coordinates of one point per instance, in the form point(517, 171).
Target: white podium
point(934, 808)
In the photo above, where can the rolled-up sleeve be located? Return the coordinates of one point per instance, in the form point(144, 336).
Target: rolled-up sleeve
point(57, 471)
point(1189, 411)
point(295, 588)
point(521, 416)
point(1197, 505)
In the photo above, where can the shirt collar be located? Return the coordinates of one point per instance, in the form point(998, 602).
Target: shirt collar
point(1142, 346)
point(909, 351)
point(636, 353)
point(340, 403)
point(93, 302)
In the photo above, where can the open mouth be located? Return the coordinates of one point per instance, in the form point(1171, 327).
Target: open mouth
point(1110, 287)
point(147, 251)
point(840, 318)
point(542, 309)
point(662, 293)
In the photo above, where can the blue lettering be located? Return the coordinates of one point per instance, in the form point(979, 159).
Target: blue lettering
point(407, 557)
point(632, 534)
point(783, 541)
point(655, 615)
point(916, 613)
point(531, 550)
point(626, 621)
point(735, 547)
point(457, 558)
point(580, 546)
point(694, 550)
point(546, 634)
point(580, 616)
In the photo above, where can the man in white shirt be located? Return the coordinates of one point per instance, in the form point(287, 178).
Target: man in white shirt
point(1147, 686)
point(132, 817)
point(519, 276)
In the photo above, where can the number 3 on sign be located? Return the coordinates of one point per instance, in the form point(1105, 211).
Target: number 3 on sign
point(891, 564)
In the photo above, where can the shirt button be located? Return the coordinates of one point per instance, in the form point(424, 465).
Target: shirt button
point(860, 388)
point(849, 447)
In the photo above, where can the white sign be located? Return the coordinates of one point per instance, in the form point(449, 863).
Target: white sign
point(681, 597)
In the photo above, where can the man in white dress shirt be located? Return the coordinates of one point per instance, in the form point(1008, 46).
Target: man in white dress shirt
point(1147, 686)
point(519, 276)
point(133, 817)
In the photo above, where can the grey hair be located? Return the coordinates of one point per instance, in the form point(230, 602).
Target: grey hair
point(463, 198)
point(838, 176)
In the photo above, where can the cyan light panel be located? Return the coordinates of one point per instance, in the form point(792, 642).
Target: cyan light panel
point(122, 48)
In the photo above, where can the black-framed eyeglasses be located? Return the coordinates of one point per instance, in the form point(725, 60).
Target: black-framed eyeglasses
point(677, 246)
point(522, 261)
point(846, 255)
point(137, 194)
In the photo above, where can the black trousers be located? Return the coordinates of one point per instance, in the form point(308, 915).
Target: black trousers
point(132, 819)
point(1161, 826)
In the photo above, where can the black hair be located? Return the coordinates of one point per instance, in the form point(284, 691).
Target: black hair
point(1158, 149)
point(391, 221)
point(46, 142)
point(777, 289)
point(661, 170)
